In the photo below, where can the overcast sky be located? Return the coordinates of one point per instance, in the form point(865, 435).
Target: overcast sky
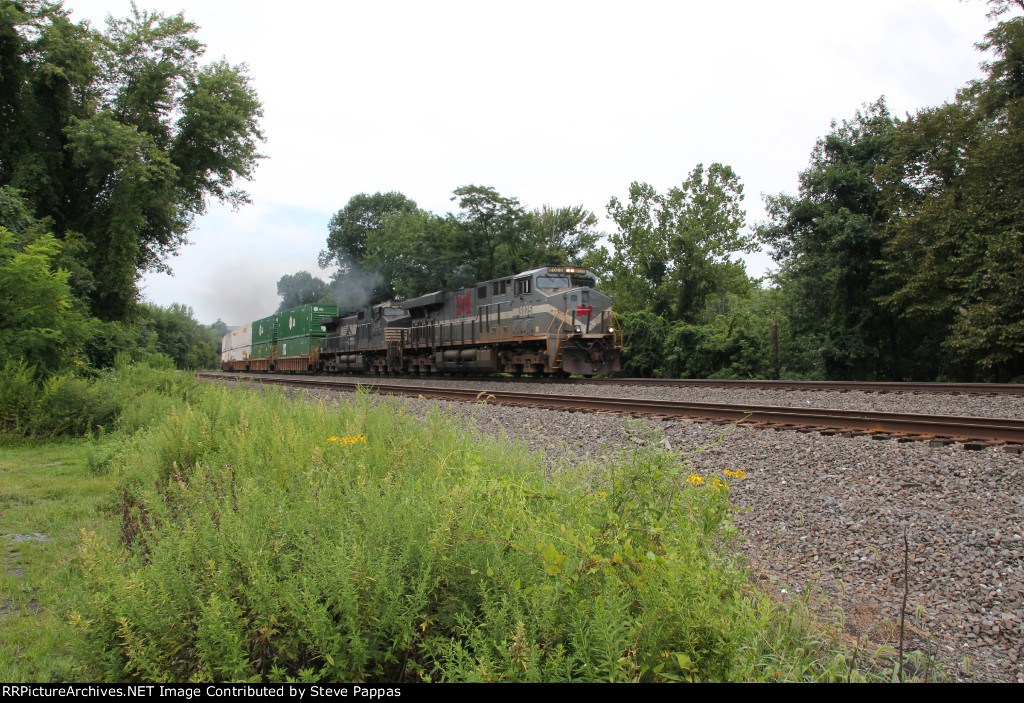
point(556, 102)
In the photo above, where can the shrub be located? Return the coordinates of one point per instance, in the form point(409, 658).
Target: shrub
point(129, 398)
point(73, 406)
point(643, 352)
point(18, 391)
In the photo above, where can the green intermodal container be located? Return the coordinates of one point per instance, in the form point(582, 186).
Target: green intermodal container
point(298, 346)
point(264, 331)
point(262, 350)
point(304, 320)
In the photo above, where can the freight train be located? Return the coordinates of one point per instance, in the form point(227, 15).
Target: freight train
point(549, 320)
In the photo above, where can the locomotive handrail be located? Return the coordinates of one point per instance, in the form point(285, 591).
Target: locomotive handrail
point(558, 333)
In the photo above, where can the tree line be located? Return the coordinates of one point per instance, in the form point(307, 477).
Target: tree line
point(901, 257)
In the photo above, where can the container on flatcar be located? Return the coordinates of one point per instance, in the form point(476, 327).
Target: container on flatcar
point(298, 346)
point(235, 349)
point(264, 337)
point(300, 336)
point(304, 320)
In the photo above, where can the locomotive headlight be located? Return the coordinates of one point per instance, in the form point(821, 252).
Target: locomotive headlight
point(577, 329)
point(611, 330)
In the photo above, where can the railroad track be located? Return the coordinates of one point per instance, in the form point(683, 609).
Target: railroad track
point(974, 432)
point(833, 386)
point(840, 386)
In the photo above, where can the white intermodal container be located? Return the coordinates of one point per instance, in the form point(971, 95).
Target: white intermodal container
point(236, 345)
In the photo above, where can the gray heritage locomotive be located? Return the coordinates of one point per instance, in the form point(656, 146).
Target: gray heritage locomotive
point(548, 320)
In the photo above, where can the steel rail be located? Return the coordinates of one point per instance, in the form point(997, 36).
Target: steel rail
point(841, 386)
point(895, 424)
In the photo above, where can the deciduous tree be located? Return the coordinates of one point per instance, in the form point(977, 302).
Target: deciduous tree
point(361, 217)
point(828, 241)
point(955, 253)
point(120, 136)
point(301, 288)
point(672, 251)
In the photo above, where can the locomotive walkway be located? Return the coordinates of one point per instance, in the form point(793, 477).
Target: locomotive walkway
point(974, 432)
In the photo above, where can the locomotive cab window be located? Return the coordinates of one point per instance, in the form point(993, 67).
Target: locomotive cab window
point(522, 286)
point(552, 283)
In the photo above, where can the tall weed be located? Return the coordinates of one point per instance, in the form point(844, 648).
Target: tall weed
point(70, 406)
point(18, 391)
point(127, 399)
point(265, 539)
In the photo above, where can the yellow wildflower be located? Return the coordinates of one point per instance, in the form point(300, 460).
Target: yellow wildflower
point(695, 480)
point(348, 440)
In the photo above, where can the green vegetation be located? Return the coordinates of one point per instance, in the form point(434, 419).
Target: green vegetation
point(240, 535)
point(385, 244)
point(902, 256)
point(118, 137)
point(48, 494)
point(57, 439)
point(111, 143)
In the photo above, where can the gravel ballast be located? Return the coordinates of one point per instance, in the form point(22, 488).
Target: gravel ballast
point(960, 405)
point(826, 515)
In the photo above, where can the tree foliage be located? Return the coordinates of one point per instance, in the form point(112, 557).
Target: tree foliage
point(174, 332)
point(120, 137)
point(386, 246)
point(673, 251)
point(38, 320)
point(829, 244)
point(350, 227)
point(491, 229)
point(419, 252)
point(955, 254)
point(301, 288)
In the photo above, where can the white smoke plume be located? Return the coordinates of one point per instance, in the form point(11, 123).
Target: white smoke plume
point(352, 288)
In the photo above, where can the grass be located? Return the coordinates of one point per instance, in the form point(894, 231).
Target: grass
point(48, 494)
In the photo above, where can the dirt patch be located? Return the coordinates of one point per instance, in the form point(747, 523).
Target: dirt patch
point(8, 609)
point(34, 537)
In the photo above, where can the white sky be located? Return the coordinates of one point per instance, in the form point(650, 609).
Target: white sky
point(557, 102)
